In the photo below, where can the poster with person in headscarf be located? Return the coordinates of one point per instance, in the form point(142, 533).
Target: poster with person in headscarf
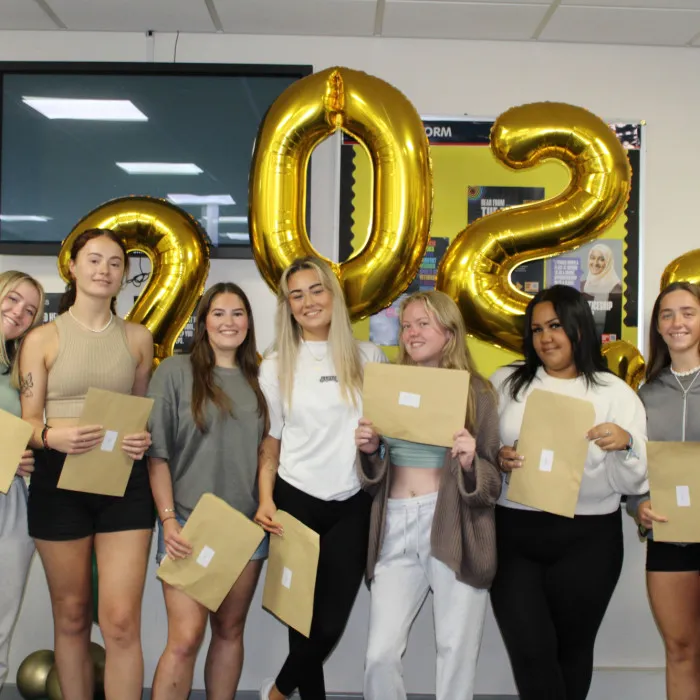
point(596, 270)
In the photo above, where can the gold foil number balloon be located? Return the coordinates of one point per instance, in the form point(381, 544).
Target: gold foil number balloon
point(476, 269)
point(625, 360)
point(178, 250)
point(685, 268)
point(392, 133)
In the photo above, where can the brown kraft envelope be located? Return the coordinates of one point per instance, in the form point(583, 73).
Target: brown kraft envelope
point(290, 581)
point(553, 442)
point(15, 438)
point(421, 404)
point(223, 541)
point(106, 468)
point(674, 482)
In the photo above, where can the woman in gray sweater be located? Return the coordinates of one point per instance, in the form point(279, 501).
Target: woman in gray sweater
point(671, 396)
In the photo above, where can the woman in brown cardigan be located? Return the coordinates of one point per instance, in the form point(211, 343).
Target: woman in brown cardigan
point(432, 522)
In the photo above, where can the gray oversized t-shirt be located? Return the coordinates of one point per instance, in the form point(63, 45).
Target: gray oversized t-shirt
point(222, 461)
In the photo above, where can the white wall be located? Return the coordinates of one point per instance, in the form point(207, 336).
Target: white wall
point(451, 78)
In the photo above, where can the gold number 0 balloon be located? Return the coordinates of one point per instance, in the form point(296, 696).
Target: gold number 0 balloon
point(392, 133)
point(179, 253)
point(476, 269)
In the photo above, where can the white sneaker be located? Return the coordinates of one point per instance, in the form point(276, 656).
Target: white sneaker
point(266, 688)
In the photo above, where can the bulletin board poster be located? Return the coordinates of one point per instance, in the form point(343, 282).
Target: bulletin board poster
point(469, 183)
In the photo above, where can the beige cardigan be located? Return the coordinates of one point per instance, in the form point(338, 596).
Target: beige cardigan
point(463, 533)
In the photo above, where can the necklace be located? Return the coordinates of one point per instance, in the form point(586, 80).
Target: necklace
point(87, 328)
point(318, 359)
point(687, 373)
point(685, 396)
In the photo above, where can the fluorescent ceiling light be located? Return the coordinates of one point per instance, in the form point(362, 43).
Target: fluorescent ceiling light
point(220, 199)
point(20, 217)
point(233, 219)
point(235, 236)
point(98, 110)
point(160, 168)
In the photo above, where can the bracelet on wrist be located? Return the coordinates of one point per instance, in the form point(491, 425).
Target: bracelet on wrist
point(44, 434)
point(170, 517)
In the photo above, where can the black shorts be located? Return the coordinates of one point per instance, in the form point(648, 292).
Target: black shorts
point(665, 556)
point(58, 514)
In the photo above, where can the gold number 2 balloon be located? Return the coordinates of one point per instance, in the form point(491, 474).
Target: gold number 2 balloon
point(392, 133)
point(476, 268)
point(178, 250)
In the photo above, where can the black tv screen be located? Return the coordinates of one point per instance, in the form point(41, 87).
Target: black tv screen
point(76, 135)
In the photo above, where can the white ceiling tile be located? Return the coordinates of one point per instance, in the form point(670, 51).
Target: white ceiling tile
point(134, 15)
point(306, 17)
point(656, 4)
point(21, 14)
point(461, 20)
point(602, 25)
point(490, 2)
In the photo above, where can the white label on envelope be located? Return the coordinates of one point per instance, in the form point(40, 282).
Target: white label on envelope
point(287, 577)
point(110, 440)
point(546, 460)
point(683, 496)
point(406, 398)
point(205, 556)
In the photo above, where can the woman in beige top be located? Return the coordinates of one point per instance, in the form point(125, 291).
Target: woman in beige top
point(89, 346)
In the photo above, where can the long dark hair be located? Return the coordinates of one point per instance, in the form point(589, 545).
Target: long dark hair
point(659, 356)
point(576, 319)
point(204, 386)
point(68, 298)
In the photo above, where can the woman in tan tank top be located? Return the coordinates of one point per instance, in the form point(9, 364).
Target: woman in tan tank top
point(86, 346)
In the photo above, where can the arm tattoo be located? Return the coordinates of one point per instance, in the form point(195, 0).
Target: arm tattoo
point(268, 460)
point(26, 384)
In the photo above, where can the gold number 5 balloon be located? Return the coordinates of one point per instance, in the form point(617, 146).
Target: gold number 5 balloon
point(392, 133)
point(476, 269)
point(178, 250)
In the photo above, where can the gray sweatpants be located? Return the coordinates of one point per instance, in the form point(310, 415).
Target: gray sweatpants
point(16, 549)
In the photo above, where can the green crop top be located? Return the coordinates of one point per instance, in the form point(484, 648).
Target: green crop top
point(414, 454)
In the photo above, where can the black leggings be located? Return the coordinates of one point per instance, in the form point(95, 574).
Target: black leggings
point(343, 527)
point(555, 579)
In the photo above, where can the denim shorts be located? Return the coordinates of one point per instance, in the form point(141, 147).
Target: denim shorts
point(260, 552)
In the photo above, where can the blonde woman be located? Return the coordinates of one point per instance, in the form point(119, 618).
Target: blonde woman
point(21, 308)
point(312, 382)
point(432, 525)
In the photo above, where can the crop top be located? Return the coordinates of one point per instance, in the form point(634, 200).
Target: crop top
point(403, 453)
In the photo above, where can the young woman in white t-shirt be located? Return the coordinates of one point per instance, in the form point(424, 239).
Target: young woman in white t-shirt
point(312, 381)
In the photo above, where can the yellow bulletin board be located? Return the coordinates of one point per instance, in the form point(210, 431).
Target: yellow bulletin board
point(469, 182)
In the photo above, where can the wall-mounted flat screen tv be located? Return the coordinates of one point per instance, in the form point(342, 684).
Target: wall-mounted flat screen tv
point(74, 135)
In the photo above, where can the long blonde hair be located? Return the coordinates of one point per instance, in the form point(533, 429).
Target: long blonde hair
point(455, 354)
point(343, 347)
point(9, 351)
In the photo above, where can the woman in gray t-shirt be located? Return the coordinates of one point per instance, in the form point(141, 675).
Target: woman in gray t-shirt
point(208, 420)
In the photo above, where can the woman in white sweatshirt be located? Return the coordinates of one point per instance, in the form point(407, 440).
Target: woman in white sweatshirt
point(556, 575)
